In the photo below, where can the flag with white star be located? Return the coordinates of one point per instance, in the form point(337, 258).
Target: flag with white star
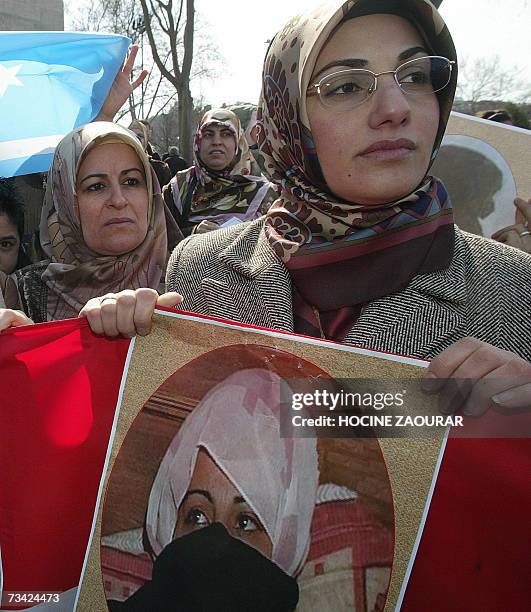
point(50, 83)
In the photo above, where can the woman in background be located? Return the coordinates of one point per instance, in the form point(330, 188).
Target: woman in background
point(102, 227)
point(224, 185)
point(12, 254)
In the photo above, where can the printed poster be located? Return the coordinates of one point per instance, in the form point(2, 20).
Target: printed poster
point(484, 165)
point(203, 396)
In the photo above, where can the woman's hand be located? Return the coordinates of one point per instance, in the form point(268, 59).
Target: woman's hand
point(13, 318)
point(126, 313)
point(122, 88)
point(474, 376)
point(205, 226)
point(519, 234)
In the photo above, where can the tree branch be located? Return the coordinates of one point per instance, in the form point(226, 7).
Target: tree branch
point(188, 39)
point(164, 27)
point(173, 79)
point(177, 23)
point(157, 90)
point(172, 97)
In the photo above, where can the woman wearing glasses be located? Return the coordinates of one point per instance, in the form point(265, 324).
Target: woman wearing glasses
point(361, 247)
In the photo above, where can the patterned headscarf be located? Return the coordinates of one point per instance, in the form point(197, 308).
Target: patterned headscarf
point(229, 192)
point(75, 273)
point(307, 213)
point(277, 476)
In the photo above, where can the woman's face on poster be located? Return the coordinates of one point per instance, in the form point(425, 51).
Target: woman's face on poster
point(212, 498)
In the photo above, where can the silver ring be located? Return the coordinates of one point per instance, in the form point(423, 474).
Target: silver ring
point(525, 233)
point(108, 297)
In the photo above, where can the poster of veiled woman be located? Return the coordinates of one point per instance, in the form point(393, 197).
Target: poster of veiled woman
point(213, 496)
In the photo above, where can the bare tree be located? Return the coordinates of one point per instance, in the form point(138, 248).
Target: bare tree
point(164, 126)
point(125, 17)
point(113, 15)
point(176, 22)
point(177, 51)
point(487, 79)
point(164, 129)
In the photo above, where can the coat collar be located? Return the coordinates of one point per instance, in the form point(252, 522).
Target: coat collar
point(256, 287)
point(431, 310)
point(448, 284)
point(250, 254)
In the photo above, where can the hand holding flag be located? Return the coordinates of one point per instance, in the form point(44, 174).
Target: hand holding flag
point(122, 87)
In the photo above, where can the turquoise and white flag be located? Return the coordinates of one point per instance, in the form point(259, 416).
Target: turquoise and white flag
point(50, 83)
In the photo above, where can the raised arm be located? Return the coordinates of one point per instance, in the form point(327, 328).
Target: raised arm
point(122, 87)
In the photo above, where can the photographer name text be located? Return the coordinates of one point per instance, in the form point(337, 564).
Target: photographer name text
point(377, 420)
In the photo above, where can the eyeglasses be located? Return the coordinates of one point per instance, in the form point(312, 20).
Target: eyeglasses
point(347, 89)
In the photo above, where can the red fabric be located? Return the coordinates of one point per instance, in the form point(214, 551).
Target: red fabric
point(475, 550)
point(338, 524)
point(59, 386)
point(123, 573)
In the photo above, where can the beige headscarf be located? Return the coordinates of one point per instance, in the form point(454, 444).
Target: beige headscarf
point(75, 273)
point(238, 424)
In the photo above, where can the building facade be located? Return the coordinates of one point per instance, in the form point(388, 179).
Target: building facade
point(31, 15)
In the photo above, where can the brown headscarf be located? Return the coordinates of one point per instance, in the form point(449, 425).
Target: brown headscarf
point(75, 273)
point(307, 211)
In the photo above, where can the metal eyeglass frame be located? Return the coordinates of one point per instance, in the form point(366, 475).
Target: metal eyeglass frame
point(315, 88)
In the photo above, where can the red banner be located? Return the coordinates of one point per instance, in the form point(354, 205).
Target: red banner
point(60, 387)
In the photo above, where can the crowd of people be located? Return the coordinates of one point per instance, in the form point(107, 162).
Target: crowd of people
point(340, 233)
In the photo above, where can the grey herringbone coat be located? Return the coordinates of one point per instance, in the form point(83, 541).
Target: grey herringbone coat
point(486, 293)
